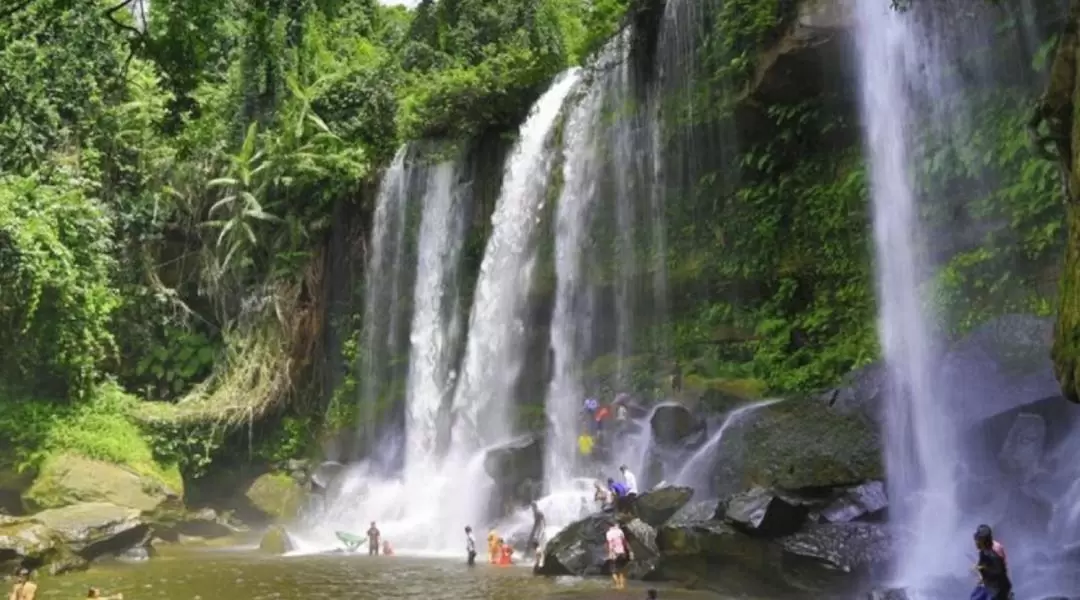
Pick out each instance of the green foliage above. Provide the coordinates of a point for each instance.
(189, 445)
(290, 439)
(56, 296)
(99, 428)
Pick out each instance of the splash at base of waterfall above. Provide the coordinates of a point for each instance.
(423, 513)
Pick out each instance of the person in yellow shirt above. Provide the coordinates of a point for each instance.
(585, 443)
(493, 546)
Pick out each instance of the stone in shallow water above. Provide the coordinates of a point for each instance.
(763, 512)
(857, 502)
(1023, 448)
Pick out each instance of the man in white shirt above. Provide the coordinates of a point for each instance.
(630, 480)
(618, 555)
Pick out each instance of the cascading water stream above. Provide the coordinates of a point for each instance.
(383, 284)
(495, 350)
(402, 507)
(921, 456)
(696, 471)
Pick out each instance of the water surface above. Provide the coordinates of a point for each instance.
(240, 575)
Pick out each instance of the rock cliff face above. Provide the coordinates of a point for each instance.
(1060, 141)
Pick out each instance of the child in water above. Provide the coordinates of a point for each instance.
(387, 549)
(505, 553)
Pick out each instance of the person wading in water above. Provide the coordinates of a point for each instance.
(373, 540)
(24, 589)
(470, 547)
(536, 536)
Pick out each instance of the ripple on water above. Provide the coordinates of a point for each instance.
(210, 575)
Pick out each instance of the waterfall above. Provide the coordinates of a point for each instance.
(495, 350)
(921, 452)
(384, 279)
(403, 507)
(442, 234)
(611, 280)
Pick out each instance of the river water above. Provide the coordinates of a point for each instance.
(188, 574)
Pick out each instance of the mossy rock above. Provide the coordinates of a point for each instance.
(275, 496)
(67, 479)
(275, 541)
(796, 444)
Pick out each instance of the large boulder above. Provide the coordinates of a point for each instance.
(580, 548)
(326, 473)
(657, 506)
(515, 466)
(714, 555)
(204, 523)
(674, 424)
(763, 512)
(797, 444)
(69, 479)
(273, 497)
(1022, 451)
(69, 538)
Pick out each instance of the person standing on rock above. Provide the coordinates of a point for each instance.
(373, 540)
(618, 555)
(631, 482)
(24, 589)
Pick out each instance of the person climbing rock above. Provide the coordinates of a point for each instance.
(604, 496)
(373, 540)
(620, 491)
(631, 482)
(24, 588)
(470, 547)
(993, 572)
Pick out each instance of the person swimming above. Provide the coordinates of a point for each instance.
(506, 553)
(96, 593)
(24, 588)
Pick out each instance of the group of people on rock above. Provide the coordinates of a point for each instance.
(596, 429)
(617, 495)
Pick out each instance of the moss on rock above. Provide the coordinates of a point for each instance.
(275, 496)
(67, 478)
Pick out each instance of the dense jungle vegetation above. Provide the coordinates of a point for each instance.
(167, 181)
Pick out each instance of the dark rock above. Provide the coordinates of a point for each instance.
(581, 547)
(798, 444)
(276, 540)
(642, 538)
(203, 523)
(513, 464)
(858, 502)
(845, 546)
(1001, 365)
(714, 555)
(1023, 448)
(674, 424)
(325, 473)
(862, 392)
(762, 512)
(657, 506)
(697, 510)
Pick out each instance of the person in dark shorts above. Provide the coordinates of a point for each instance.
(470, 546)
(618, 555)
(373, 540)
(993, 572)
